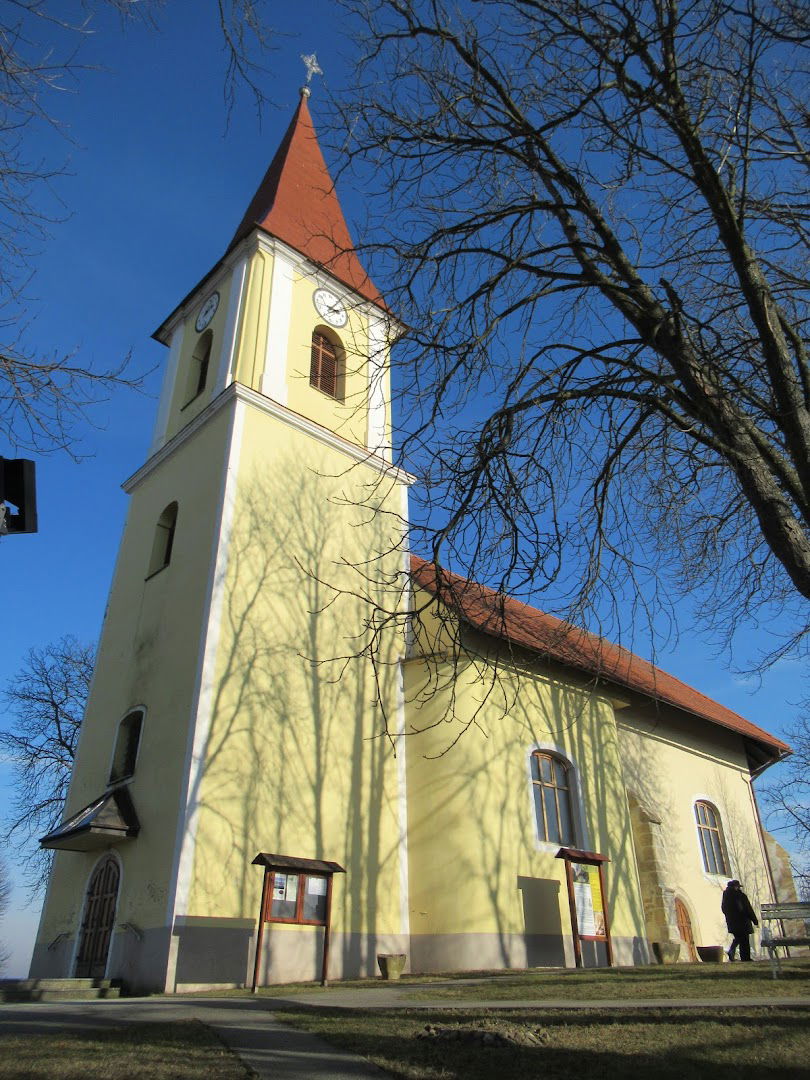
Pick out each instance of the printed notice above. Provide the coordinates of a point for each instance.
(588, 900)
(597, 902)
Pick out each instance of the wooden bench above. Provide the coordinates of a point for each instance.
(793, 909)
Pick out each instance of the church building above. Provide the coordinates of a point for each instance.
(304, 749)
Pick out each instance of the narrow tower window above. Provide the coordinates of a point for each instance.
(325, 370)
(198, 372)
(126, 747)
(164, 539)
(710, 834)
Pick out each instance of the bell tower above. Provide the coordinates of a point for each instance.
(236, 709)
(291, 262)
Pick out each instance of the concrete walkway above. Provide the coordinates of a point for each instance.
(276, 1051)
(273, 1050)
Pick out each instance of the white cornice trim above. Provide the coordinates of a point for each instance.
(176, 441)
(259, 240)
(212, 280)
(237, 391)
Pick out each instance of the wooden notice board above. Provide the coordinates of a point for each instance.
(587, 899)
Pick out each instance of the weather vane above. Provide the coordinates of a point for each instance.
(312, 66)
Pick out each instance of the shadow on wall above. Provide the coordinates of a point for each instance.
(295, 761)
(209, 951)
(506, 703)
(541, 907)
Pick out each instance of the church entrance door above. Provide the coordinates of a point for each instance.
(97, 924)
(685, 928)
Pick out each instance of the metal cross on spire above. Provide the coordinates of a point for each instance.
(312, 66)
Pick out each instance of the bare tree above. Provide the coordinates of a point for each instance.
(788, 802)
(44, 399)
(5, 897)
(44, 705)
(595, 225)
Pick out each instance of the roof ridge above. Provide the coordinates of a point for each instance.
(552, 636)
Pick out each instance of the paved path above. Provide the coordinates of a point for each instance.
(276, 1051)
(273, 1050)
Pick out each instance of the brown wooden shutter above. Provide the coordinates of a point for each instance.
(323, 371)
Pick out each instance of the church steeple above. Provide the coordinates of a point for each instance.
(297, 203)
(289, 312)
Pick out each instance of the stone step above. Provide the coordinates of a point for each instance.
(58, 989)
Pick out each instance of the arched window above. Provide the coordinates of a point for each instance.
(164, 539)
(198, 371)
(126, 747)
(551, 785)
(326, 365)
(710, 834)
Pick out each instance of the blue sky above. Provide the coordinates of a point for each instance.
(155, 185)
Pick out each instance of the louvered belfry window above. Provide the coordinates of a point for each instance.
(323, 370)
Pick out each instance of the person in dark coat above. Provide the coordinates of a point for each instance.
(740, 919)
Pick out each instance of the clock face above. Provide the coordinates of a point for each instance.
(330, 308)
(207, 312)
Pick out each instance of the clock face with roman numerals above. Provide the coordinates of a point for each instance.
(330, 308)
(207, 312)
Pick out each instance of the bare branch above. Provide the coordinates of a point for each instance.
(44, 706)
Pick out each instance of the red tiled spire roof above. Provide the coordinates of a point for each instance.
(296, 202)
(513, 621)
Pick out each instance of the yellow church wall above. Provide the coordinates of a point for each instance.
(148, 656)
(477, 867)
(670, 762)
(296, 762)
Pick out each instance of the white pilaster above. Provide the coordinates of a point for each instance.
(225, 372)
(274, 380)
(169, 379)
(202, 708)
(377, 380)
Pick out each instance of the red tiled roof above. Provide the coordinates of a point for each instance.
(506, 618)
(296, 202)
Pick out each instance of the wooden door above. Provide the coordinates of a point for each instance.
(685, 928)
(97, 925)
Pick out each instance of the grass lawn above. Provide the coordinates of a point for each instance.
(655, 1044)
(185, 1050)
(709, 981)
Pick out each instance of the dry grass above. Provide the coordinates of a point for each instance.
(703, 981)
(185, 1050)
(679, 981)
(654, 1044)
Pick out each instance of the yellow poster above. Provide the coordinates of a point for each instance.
(588, 900)
(596, 901)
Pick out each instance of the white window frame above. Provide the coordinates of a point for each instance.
(721, 817)
(581, 839)
(143, 711)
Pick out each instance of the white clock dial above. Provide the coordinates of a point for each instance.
(207, 312)
(330, 307)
